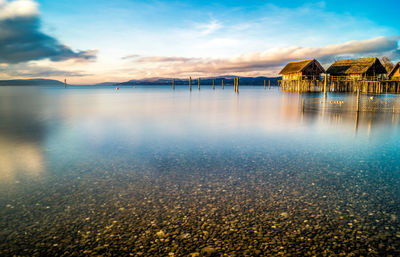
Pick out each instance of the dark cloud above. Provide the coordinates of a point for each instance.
(21, 40)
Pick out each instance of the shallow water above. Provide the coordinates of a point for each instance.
(151, 171)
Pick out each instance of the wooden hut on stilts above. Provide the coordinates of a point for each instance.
(363, 74)
(302, 76)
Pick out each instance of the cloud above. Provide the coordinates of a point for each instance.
(161, 59)
(17, 8)
(21, 39)
(271, 60)
(208, 28)
(29, 70)
(132, 56)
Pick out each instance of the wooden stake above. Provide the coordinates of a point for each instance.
(199, 84)
(265, 84)
(298, 85)
(173, 84)
(358, 100)
(213, 83)
(325, 86)
(236, 84)
(190, 83)
(356, 125)
(269, 84)
(222, 83)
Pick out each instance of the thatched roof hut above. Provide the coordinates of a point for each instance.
(298, 69)
(395, 73)
(357, 67)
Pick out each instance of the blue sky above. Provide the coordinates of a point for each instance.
(93, 41)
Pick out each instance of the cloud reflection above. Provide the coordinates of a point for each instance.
(19, 159)
(21, 134)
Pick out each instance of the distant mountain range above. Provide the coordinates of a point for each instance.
(228, 80)
(31, 82)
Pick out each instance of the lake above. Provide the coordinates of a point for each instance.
(151, 171)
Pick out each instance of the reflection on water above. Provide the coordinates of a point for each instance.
(21, 135)
(152, 171)
(378, 111)
(15, 158)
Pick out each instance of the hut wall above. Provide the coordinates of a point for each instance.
(376, 70)
(355, 76)
(371, 73)
(292, 76)
(312, 71)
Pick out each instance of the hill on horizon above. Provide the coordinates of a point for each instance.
(228, 80)
(31, 82)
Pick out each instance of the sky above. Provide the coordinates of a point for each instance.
(93, 41)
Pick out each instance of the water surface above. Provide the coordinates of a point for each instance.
(151, 171)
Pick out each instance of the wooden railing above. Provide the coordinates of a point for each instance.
(339, 78)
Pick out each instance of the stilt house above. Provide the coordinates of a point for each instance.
(308, 69)
(357, 69)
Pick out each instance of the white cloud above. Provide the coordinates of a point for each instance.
(208, 41)
(17, 8)
(209, 28)
(266, 62)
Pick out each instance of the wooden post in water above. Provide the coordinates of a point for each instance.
(222, 83)
(298, 85)
(356, 125)
(269, 84)
(173, 84)
(265, 84)
(236, 84)
(190, 83)
(213, 83)
(199, 84)
(325, 86)
(358, 100)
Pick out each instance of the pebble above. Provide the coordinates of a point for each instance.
(284, 214)
(160, 234)
(208, 251)
(164, 212)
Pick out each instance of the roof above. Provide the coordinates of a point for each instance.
(298, 66)
(355, 66)
(394, 69)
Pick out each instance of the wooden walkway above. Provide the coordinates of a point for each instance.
(340, 85)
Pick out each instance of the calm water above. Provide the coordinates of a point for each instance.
(151, 171)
